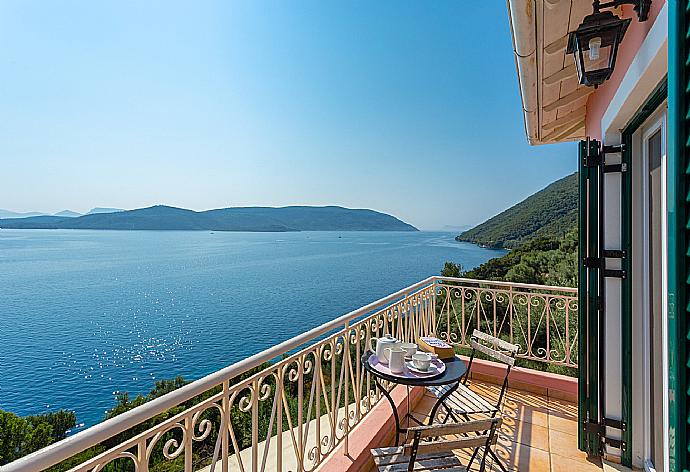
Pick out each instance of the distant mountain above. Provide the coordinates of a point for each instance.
(14, 214)
(549, 213)
(160, 217)
(97, 210)
(67, 213)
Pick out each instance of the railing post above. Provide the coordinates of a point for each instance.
(255, 426)
(478, 308)
(511, 308)
(279, 419)
(142, 456)
(189, 427)
(462, 334)
(448, 303)
(358, 373)
(316, 378)
(529, 323)
(567, 332)
(334, 395)
(404, 318)
(225, 424)
(495, 294)
(346, 356)
(547, 307)
(367, 381)
(301, 453)
(432, 305)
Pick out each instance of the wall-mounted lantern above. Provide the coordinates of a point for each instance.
(594, 44)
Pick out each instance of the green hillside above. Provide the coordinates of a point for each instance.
(162, 217)
(544, 261)
(550, 213)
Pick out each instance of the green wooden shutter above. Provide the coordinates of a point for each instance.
(589, 440)
(678, 202)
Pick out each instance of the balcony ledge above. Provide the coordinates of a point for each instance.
(376, 429)
(528, 380)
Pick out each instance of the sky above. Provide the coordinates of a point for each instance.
(410, 108)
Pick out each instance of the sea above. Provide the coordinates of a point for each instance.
(87, 314)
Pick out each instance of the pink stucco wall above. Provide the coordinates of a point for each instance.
(599, 100)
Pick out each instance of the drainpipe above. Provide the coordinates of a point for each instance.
(523, 27)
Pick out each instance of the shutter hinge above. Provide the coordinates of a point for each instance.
(614, 254)
(613, 149)
(598, 158)
(593, 161)
(617, 443)
(598, 263)
(615, 424)
(615, 168)
(591, 427)
(591, 262)
(600, 428)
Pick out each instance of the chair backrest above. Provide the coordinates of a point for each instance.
(476, 433)
(500, 350)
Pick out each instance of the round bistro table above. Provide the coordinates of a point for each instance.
(455, 370)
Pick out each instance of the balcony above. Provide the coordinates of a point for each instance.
(307, 404)
(539, 431)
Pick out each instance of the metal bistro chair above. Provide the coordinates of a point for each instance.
(464, 401)
(433, 454)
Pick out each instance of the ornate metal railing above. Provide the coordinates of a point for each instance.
(542, 320)
(290, 406)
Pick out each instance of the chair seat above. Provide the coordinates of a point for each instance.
(393, 459)
(465, 401)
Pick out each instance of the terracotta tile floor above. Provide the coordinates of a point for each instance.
(538, 434)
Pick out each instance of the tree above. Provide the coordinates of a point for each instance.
(61, 421)
(451, 269)
(544, 261)
(522, 273)
(21, 436)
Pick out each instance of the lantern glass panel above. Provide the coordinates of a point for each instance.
(595, 57)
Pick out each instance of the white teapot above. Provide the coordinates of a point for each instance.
(383, 344)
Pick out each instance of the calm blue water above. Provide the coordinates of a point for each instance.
(86, 313)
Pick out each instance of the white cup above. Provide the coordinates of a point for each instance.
(396, 359)
(421, 361)
(409, 348)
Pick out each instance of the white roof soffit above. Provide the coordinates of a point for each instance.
(552, 100)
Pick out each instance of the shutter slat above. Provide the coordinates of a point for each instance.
(682, 22)
(685, 129)
(679, 138)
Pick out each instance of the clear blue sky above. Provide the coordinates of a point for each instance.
(410, 108)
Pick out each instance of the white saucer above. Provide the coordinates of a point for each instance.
(433, 370)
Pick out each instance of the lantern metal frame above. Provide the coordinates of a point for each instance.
(610, 29)
(641, 7)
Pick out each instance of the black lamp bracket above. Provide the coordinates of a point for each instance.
(641, 6)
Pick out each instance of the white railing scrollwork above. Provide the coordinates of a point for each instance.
(542, 320)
